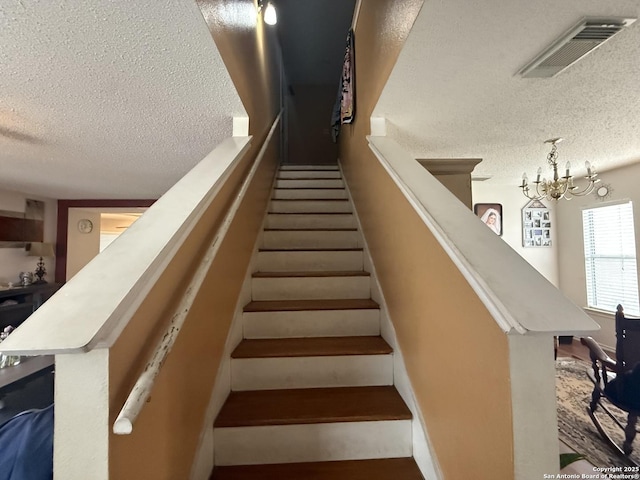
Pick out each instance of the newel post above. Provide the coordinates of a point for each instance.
(81, 428)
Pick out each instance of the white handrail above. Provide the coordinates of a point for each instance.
(143, 386)
(519, 298)
(93, 308)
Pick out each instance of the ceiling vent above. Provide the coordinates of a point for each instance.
(584, 37)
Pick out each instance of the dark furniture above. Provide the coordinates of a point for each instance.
(28, 300)
(617, 381)
(23, 302)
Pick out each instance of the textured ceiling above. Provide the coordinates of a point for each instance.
(454, 91)
(108, 99)
(118, 99)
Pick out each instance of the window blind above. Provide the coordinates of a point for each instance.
(610, 258)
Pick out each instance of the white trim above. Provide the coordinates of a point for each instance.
(535, 431)
(356, 15)
(80, 432)
(378, 126)
(95, 306)
(608, 203)
(240, 126)
(143, 386)
(501, 279)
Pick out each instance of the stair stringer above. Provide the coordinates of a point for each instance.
(422, 450)
(203, 462)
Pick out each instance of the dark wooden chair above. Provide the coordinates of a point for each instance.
(617, 381)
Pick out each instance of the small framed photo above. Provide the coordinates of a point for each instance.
(491, 215)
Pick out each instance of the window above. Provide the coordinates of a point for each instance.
(610, 258)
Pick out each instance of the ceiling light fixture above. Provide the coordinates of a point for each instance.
(559, 187)
(270, 15)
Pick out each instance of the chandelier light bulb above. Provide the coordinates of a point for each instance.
(587, 164)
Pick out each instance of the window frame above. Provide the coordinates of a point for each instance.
(591, 284)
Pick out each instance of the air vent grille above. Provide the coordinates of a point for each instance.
(586, 36)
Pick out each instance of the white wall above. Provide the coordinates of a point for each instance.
(624, 184)
(15, 260)
(543, 259)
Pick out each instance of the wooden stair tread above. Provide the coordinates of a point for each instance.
(310, 199)
(310, 213)
(309, 178)
(309, 188)
(307, 168)
(346, 273)
(377, 469)
(302, 305)
(311, 347)
(327, 229)
(307, 249)
(312, 406)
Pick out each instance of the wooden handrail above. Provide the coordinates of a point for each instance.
(141, 390)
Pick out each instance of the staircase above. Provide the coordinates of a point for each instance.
(312, 381)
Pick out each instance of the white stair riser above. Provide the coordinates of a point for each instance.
(314, 323)
(297, 220)
(309, 174)
(310, 261)
(311, 372)
(298, 239)
(310, 288)
(313, 442)
(310, 193)
(312, 206)
(309, 167)
(311, 183)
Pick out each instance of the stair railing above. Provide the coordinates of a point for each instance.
(141, 390)
(83, 323)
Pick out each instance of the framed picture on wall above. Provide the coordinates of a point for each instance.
(536, 225)
(491, 215)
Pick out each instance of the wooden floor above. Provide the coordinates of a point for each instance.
(574, 350)
(385, 469)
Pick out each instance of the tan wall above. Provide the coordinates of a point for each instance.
(456, 356)
(165, 436)
(309, 125)
(251, 55)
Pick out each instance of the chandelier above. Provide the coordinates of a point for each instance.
(559, 187)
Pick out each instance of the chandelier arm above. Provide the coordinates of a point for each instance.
(558, 187)
(587, 189)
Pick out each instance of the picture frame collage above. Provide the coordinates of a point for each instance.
(536, 225)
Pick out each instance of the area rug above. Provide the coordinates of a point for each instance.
(573, 389)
